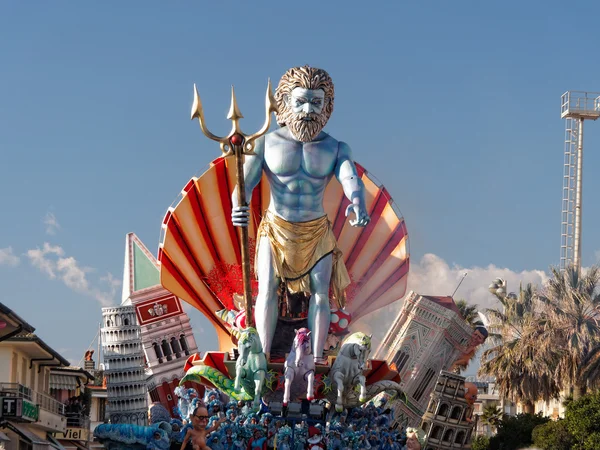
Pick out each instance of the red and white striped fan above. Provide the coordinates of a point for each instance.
(200, 254)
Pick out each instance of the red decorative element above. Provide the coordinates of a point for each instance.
(167, 217)
(340, 320)
(190, 361)
(226, 279)
(236, 139)
(189, 186)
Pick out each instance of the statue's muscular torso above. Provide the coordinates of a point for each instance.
(298, 173)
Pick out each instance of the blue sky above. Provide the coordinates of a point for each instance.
(454, 106)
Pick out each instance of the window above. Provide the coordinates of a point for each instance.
(183, 343)
(448, 436)
(423, 385)
(443, 411)
(437, 432)
(460, 437)
(166, 349)
(456, 413)
(101, 410)
(157, 351)
(400, 360)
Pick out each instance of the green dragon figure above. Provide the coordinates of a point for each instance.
(250, 367)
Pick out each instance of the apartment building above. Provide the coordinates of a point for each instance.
(30, 416)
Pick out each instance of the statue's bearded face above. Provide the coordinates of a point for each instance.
(304, 113)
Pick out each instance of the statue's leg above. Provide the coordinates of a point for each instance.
(362, 380)
(266, 308)
(289, 378)
(319, 312)
(338, 379)
(259, 381)
(310, 391)
(238, 376)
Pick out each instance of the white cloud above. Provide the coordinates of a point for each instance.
(51, 260)
(434, 276)
(38, 259)
(106, 298)
(8, 257)
(52, 225)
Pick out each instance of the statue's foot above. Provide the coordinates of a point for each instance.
(309, 398)
(339, 408)
(362, 398)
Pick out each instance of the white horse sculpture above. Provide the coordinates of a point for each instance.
(300, 363)
(347, 370)
(251, 365)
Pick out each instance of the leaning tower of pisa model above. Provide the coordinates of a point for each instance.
(124, 366)
(447, 421)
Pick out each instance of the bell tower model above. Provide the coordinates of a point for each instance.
(428, 335)
(447, 422)
(166, 333)
(124, 366)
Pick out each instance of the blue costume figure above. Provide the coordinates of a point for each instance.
(284, 437)
(214, 441)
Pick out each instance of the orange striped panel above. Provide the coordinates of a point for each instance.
(199, 235)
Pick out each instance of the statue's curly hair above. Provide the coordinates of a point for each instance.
(308, 78)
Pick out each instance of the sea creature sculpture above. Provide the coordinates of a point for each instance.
(347, 370)
(125, 436)
(251, 366)
(300, 364)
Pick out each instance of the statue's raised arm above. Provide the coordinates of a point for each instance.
(354, 188)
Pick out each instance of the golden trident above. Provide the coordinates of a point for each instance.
(238, 144)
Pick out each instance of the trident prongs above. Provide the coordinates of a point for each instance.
(198, 111)
(235, 115)
(271, 107)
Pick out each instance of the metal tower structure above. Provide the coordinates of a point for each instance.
(576, 107)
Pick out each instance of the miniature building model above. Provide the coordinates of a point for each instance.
(427, 337)
(124, 365)
(166, 333)
(447, 422)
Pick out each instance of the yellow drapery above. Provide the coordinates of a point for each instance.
(297, 247)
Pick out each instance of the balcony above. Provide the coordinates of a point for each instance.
(50, 413)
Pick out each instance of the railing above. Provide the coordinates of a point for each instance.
(78, 420)
(44, 401)
(580, 103)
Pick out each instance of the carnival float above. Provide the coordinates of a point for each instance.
(277, 204)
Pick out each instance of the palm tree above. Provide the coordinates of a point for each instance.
(492, 415)
(573, 306)
(520, 360)
(470, 313)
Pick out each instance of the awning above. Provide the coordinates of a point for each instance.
(58, 381)
(54, 443)
(30, 437)
(69, 444)
(4, 437)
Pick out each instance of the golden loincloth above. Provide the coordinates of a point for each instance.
(298, 247)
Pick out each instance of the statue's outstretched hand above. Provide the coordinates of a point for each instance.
(362, 218)
(240, 216)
